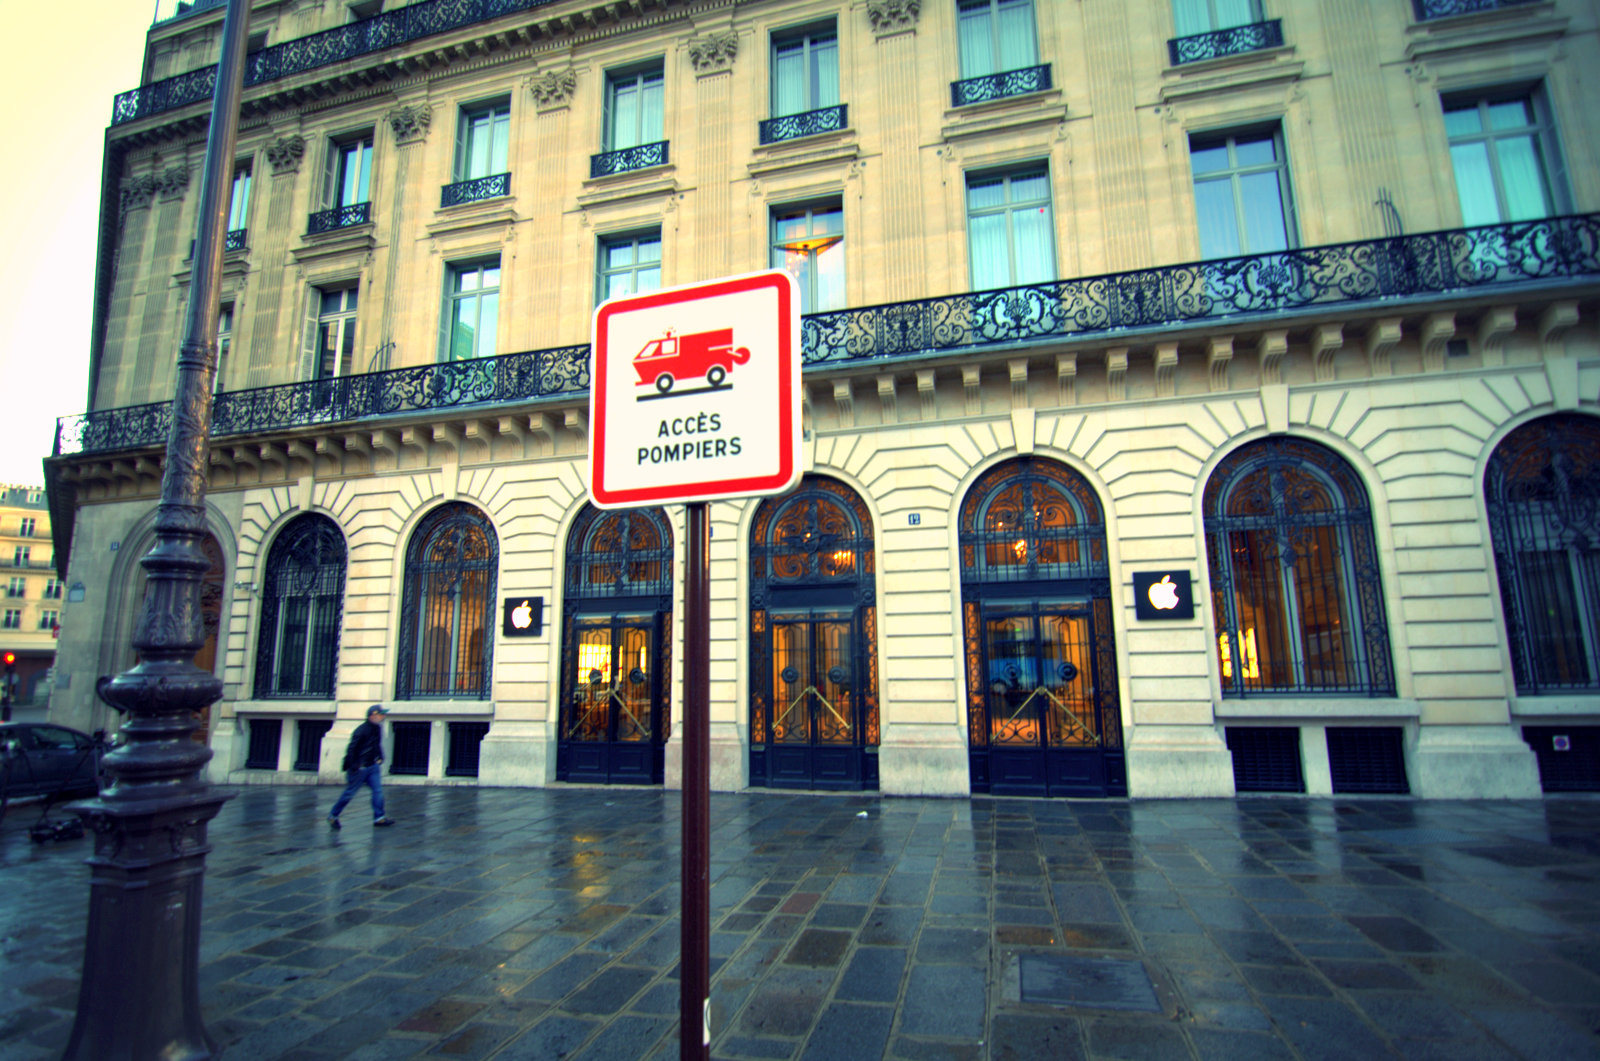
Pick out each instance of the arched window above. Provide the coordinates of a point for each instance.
(1542, 490)
(1032, 519)
(302, 597)
(446, 634)
(1294, 574)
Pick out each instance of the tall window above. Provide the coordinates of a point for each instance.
(634, 100)
(52, 590)
(808, 243)
(1010, 231)
(18, 588)
(20, 557)
(996, 36)
(47, 620)
(224, 343)
(1241, 194)
(471, 312)
(349, 173)
(13, 619)
(25, 528)
(1503, 153)
(446, 640)
(336, 332)
(1294, 574)
(628, 264)
(1542, 490)
(481, 140)
(1203, 16)
(302, 598)
(805, 70)
(239, 204)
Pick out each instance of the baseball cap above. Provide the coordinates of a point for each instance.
(379, 708)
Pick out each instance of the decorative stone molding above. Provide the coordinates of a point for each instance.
(844, 401)
(1067, 378)
(926, 393)
(553, 88)
(1437, 331)
(971, 385)
(887, 398)
(1326, 342)
(1382, 338)
(137, 192)
(172, 182)
(1219, 353)
(1018, 369)
(284, 153)
(1166, 370)
(1554, 324)
(1270, 349)
(892, 16)
(1493, 328)
(410, 123)
(1117, 373)
(714, 52)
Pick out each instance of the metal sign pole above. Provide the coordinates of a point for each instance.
(694, 984)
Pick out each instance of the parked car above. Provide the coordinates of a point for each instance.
(42, 759)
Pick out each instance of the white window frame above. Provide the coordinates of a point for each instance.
(485, 125)
(455, 294)
(239, 198)
(1192, 17)
(638, 271)
(991, 20)
(339, 324)
(1009, 208)
(807, 247)
(815, 43)
(1234, 173)
(1552, 170)
(337, 190)
(647, 126)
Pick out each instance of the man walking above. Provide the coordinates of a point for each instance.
(362, 766)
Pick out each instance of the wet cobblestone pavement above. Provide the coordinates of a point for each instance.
(540, 924)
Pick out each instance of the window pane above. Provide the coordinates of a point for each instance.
(488, 318)
(826, 85)
(1030, 188)
(986, 193)
(788, 78)
(1219, 233)
(649, 279)
(1474, 184)
(462, 331)
(1523, 178)
(1257, 152)
(650, 110)
(1463, 121)
(1263, 213)
(990, 258)
(1235, 13)
(499, 137)
(650, 250)
(1035, 245)
(491, 276)
(977, 41)
(1190, 17)
(625, 115)
(830, 277)
(1208, 159)
(1511, 114)
(1016, 36)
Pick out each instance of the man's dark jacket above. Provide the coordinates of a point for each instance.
(366, 747)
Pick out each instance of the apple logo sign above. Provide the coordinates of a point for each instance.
(1162, 595)
(522, 614)
(523, 617)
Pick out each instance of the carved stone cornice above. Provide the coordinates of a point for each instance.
(553, 88)
(284, 153)
(172, 182)
(137, 192)
(713, 53)
(892, 16)
(410, 124)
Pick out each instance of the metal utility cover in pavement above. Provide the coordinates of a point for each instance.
(1099, 983)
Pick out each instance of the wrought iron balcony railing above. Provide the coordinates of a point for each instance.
(1235, 40)
(392, 28)
(625, 159)
(1370, 272)
(999, 86)
(807, 123)
(470, 191)
(1431, 9)
(339, 217)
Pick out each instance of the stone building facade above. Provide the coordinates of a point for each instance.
(1284, 311)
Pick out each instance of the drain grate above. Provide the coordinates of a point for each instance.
(1098, 983)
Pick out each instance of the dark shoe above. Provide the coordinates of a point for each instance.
(333, 823)
(383, 821)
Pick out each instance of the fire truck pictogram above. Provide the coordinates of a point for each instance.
(673, 357)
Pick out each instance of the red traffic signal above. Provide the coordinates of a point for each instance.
(11, 660)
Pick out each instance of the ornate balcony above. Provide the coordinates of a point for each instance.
(1235, 40)
(1380, 272)
(339, 217)
(608, 163)
(998, 86)
(470, 191)
(1431, 9)
(808, 123)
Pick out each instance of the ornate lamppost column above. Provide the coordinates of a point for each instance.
(139, 999)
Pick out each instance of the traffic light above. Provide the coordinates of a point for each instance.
(11, 662)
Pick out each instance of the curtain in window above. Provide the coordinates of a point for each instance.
(488, 134)
(789, 77)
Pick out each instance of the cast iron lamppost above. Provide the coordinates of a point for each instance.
(139, 999)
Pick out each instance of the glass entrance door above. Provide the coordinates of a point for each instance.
(814, 732)
(1048, 728)
(613, 719)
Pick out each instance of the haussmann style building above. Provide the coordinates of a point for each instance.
(1200, 395)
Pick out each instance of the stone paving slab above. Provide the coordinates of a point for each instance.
(500, 923)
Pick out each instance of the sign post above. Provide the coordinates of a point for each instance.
(695, 396)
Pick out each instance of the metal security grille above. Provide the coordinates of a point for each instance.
(1031, 520)
(308, 743)
(446, 612)
(1295, 582)
(1569, 757)
(1367, 759)
(410, 752)
(1542, 493)
(465, 737)
(265, 733)
(1266, 758)
(620, 554)
(302, 601)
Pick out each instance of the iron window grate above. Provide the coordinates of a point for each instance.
(1266, 758)
(465, 738)
(1367, 759)
(411, 741)
(1573, 767)
(265, 733)
(308, 743)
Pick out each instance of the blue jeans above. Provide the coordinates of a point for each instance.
(366, 775)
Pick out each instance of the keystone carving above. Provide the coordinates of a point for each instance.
(172, 182)
(410, 123)
(554, 88)
(713, 52)
(892, 16)
(284, 153)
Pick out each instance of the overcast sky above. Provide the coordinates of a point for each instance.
(60, 65)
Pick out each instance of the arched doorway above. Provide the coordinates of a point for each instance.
(1043, 711)
(813, 641)
(616, 649)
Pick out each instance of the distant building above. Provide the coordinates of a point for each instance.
(30, 591)
(1280, 313)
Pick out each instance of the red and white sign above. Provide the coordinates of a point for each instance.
(694, 393)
